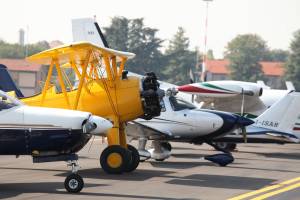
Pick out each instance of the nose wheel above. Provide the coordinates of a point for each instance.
(74, 182)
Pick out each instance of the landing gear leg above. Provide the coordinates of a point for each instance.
(74, 182)
(144, 154)
(115, 158)
(159, 153)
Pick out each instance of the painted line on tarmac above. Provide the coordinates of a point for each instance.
(269, 188)
(270, 194)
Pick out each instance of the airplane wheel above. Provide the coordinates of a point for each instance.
(166, 145)
(226, 146)
(74, 183)
(135, 159)
(114, 159)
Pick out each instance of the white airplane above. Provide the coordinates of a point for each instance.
(47, 134)
(182, 122)
(186, 124)
(246, 98)
(232, 96)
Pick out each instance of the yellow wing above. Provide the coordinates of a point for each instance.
(76, 52)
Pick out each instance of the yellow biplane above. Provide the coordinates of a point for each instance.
(104, 89)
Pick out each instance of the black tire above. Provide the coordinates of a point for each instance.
(74, 183)
(121, 152)
(226, 146)
(159, 160)
(167, 146)
(135, 159)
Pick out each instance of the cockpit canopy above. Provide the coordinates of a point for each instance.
(7, 102)
(180, 104)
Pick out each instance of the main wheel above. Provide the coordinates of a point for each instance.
(166, 145)
(226, 146)
(74, 183)
(135, 159)
(114, 159)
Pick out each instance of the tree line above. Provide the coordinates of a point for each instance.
(174, 61)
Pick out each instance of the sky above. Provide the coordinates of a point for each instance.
(274, 20)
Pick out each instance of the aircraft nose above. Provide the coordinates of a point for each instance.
(102, 125)
(243, 121)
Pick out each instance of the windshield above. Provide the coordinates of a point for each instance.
(180, 104)
(7, 101)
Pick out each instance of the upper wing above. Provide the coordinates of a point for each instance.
(136, 129)
(76, 52)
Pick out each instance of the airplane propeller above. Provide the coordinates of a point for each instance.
(243, 128)
(191, 82)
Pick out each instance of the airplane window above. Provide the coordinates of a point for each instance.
(162, 105)
(7, 102)
(179, 104)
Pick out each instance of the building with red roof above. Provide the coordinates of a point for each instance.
(27, 76)
(218, 70)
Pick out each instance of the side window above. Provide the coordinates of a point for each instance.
(179, 104)
(162, 105)
(5, 104)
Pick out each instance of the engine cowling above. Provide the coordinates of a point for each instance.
(151, 96)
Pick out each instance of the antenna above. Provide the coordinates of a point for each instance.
(27, 41)
(205, 43)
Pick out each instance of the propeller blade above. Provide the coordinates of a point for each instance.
(243, 101)
(244, 133)
(91, 144)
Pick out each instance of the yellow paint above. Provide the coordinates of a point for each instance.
(61, 82)
(264, 196)
(266, 189)
(249, 194)
(114, 160)
(108, 97)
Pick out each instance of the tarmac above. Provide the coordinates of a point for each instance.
(259, 171)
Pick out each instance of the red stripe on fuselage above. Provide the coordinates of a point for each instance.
(190, 88)
(296, 129)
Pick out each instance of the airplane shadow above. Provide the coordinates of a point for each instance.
(137, 175)
(264, 169)
(179, 165)
(188, 155)
(11, 190)
(287, 155)
(222, 181)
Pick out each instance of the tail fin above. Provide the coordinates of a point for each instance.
(289, 85)
(283, 116)
(87, 29)
(6, 82)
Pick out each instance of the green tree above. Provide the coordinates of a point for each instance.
(276, 55)
(210, 55)
(244, 53)
(117, 33)
(8, 50)
(180, 59)
(293, 63)
(132, 35)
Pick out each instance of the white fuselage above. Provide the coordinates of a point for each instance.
(14, 114)
(185, 123)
